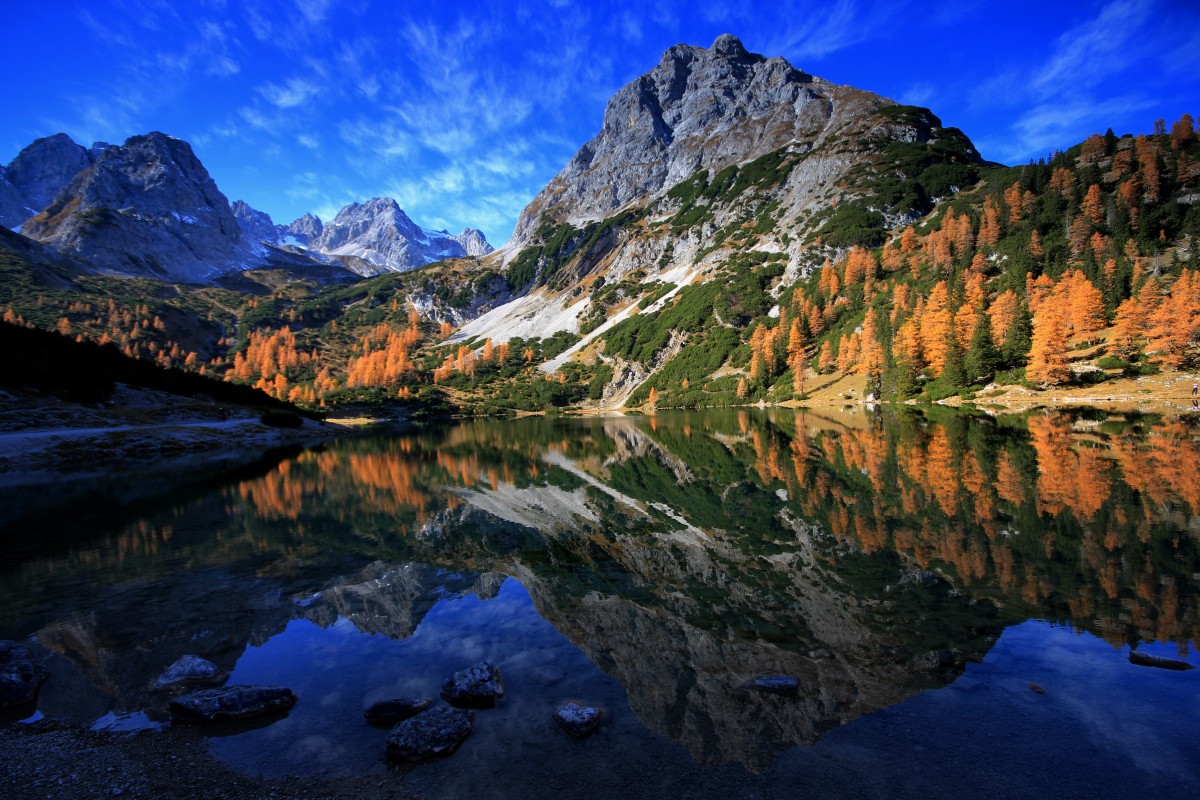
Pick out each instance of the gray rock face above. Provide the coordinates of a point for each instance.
(434, 733)
(255, 225)
(44, 168)
(303, 230)
(475, 687)
(147, 207)
(473, 241)
(579, 721)
(13, 210)
(389, 712)
(190, 670)
(379, 233)
(231, 702)
(20, 675)
(697, 109)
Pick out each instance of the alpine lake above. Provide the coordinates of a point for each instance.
(956, 597)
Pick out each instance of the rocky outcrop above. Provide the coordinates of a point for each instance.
(383, 237)
(148, 207)
(255, 225)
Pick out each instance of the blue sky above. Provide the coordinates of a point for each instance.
(463, 110)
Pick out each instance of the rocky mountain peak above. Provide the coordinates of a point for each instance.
(37, 174)
(255, 225)
(697, 109)
(474, 242)
(730, 46)
(147, 207)
(379, 233)
(303, 230)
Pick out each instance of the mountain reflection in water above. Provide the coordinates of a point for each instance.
(869, 556)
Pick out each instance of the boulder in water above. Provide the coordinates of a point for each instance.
(475, 687)
(231, 702)
(434, 733)
(20, 675)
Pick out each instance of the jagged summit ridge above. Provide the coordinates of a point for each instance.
(384, 237)
(147, 207)
(698, 108)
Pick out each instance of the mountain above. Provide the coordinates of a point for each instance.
(698, 109)
(714, 153)
(147, 207)
(383, 238)
(254, 224)
(301, 231)
(473, 242)
(38, 173)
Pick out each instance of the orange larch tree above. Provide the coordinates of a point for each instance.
(1048, 354)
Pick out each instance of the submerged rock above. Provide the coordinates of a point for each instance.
(231, 702)
(389, 712)
(784, 685)
(579, 721)
(190, 671)
(475, 687)
(20, 675)
(434, 733)
(1147, 660)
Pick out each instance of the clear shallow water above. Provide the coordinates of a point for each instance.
(653, 567)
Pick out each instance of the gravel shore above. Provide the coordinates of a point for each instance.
(46, 760)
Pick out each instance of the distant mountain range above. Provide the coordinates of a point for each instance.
(149, 208)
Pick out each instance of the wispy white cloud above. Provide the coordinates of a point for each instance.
(822, 30)
(291, 93)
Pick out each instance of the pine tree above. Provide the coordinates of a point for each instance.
(954, 373)
(1018, 338)
(983, 357)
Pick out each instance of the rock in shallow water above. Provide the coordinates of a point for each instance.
(579, 721)
(190, 671)
(389, 712)
(1147, 660)
(231, 702)
(20, 675)
(474, 687)
(434, 733)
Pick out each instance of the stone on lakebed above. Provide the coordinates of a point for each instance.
(474, 687)
(190, 670)
(231, 702)
(579, 721)
(434, 733)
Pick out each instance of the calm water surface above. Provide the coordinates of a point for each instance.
(915, 573)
